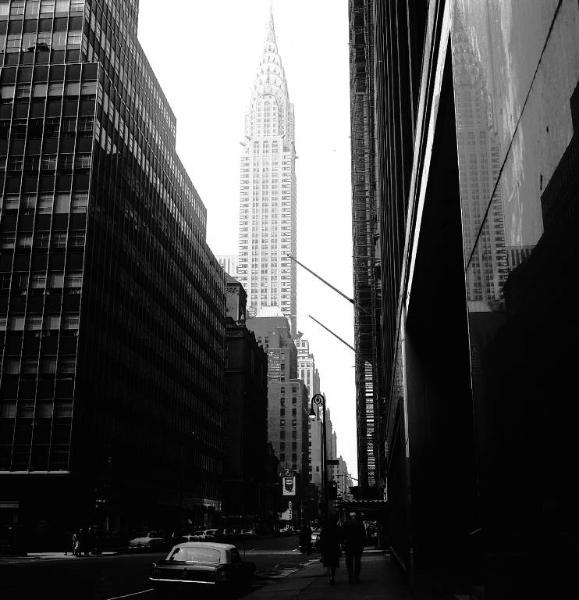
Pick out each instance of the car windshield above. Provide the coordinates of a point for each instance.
(201, 555)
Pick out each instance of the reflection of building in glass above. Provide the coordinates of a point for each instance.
(479, 164)
(480, 436)
(267, 217)
(517, 254)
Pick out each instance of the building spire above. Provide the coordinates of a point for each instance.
(270, 39)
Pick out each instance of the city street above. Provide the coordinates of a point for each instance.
(124, 575)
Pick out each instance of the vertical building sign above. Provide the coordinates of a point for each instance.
(289, 485)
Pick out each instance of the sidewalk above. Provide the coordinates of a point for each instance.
(17, 558)
(379, 579)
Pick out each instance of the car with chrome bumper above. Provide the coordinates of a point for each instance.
(211, 567)
(152, 541)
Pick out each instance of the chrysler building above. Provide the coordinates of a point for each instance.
(267, 215)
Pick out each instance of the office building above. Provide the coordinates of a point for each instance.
(274, 334)
(307, 370)
(267, 214)
(288, 425)
(288, 406)
(464, 137)
(111, 303)
(366, 255)
(228, 262)
(245, 417)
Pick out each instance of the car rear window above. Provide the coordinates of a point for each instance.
(204, 555)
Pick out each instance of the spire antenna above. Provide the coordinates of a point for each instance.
(271, 26)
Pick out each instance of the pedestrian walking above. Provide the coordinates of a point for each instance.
(75, 543)
(330, 537)
(353, 538)
(306, 538)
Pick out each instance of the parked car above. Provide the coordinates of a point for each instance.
(200, 565)
(227, 534)
(152, 541)
(248, 534)
(209, 535)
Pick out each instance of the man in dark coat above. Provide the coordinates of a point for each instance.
(353, 538)
(330, 537)
(306, 538)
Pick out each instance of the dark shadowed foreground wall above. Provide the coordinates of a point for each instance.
(474, 113)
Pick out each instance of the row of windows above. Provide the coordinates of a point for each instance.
(38, 281)
(30, 42)
(34, 8)
(44, 203)
(294, 458)
(41, 90)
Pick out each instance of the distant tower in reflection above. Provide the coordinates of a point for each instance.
(479, 164)
(267, 215)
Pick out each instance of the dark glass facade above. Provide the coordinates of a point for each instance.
(111, 304)
(366, 246)
(475, 117)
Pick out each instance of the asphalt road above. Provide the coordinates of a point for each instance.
(126, 576)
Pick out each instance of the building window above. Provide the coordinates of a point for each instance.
(47, 7)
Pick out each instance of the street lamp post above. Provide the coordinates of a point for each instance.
(319, 401)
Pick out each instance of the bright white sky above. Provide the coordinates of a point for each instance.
(205, 54)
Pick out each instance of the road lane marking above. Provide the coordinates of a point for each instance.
(133, 594)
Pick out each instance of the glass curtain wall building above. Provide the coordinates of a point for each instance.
(111, 304)
(267, 213)
(366, 247)
(475, 107)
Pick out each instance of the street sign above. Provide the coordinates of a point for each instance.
(289, 486)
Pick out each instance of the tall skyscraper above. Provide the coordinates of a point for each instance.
(267, 216)
(111, 303)
(228, 262)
